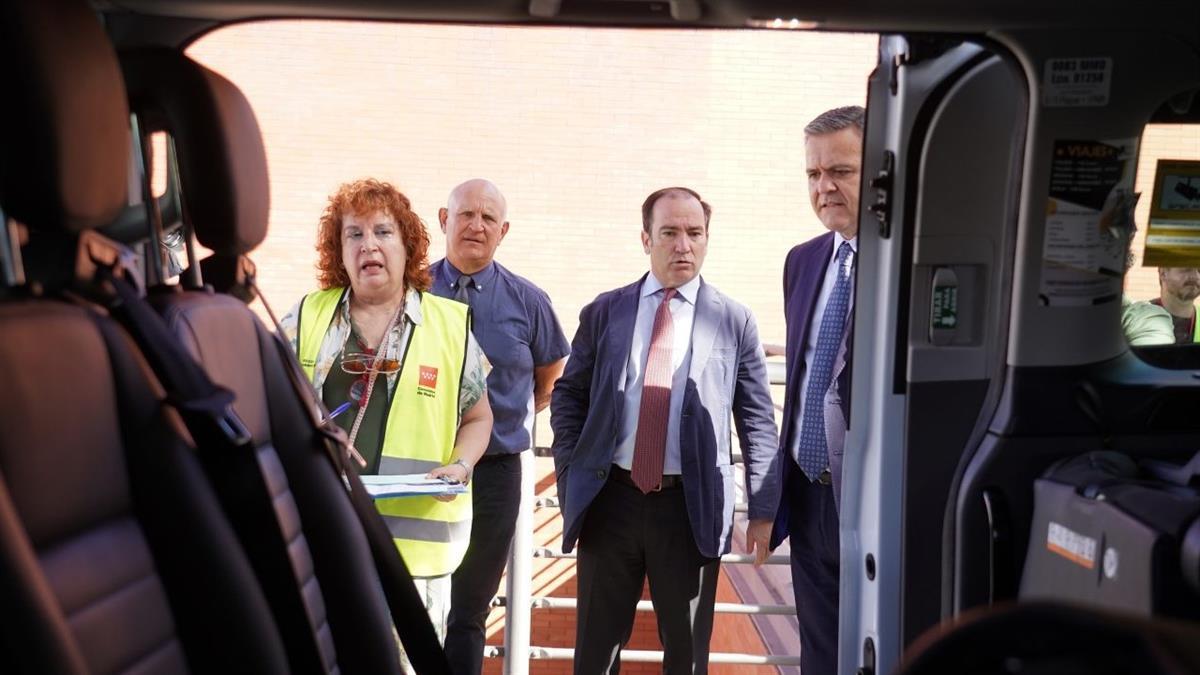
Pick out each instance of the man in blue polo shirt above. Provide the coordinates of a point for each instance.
(521, 337)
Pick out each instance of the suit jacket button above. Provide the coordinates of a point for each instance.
(600, 473)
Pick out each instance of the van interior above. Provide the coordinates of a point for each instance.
(1021, 483)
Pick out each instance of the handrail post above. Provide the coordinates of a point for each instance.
(520, 574)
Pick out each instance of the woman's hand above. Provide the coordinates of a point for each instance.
(474, 432)
(453, 472)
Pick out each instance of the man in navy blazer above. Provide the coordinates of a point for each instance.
(642, 454)
(818, 291)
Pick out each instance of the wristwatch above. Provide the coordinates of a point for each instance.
(466, 466)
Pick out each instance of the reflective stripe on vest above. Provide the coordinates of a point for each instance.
(422, 423)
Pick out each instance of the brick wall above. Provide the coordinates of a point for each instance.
(575, 126)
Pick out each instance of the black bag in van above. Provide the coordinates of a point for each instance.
(1117, 533)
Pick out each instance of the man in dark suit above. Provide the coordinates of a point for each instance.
(642, 444)
(818, 292)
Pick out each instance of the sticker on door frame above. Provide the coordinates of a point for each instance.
(1089, 221)
(1077, 82)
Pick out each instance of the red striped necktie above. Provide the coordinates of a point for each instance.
(650, 446)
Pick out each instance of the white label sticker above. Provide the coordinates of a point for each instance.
(1079, 549)
(1076, 82)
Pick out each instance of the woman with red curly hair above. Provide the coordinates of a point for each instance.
(399, 369)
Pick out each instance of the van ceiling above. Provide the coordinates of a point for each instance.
(969, 16)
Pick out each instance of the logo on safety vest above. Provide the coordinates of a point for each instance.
(427, 384)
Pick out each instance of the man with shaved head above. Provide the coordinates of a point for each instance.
(522, 339)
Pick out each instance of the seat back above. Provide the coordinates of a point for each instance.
(223, 172)
(114, 554)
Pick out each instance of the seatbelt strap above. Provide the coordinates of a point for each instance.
(206, 408)
(421, 644)
(207, 411)
(228, 455)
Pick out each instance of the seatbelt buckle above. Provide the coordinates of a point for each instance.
(216, 414)
(232, 426)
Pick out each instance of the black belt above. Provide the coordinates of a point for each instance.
(669, 481)
(498, 457)
(825, 478)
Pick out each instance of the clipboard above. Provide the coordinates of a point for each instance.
(410, 485)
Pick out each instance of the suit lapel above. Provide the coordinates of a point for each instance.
(805, 290)
(621, 321)
(704, 328)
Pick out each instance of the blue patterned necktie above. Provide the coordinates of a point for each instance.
(812, 452)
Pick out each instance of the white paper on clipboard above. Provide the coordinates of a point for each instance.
(409, 485)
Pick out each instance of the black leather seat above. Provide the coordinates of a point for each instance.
(223, 178)
(114, 553)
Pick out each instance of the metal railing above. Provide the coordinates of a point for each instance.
(646, 656)
(520, 577)
(727, 559)
(549, 602)
(518, 599)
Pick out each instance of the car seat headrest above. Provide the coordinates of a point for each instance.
(219, 149)
(64, 165)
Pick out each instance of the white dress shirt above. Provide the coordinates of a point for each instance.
(683, 314)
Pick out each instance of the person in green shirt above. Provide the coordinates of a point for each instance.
(1178, 289)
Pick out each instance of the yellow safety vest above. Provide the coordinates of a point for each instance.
(422, 423)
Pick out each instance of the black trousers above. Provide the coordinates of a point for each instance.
(816, 554)
(626, 538)
(496, 499)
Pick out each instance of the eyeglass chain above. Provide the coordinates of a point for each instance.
(362, 408)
